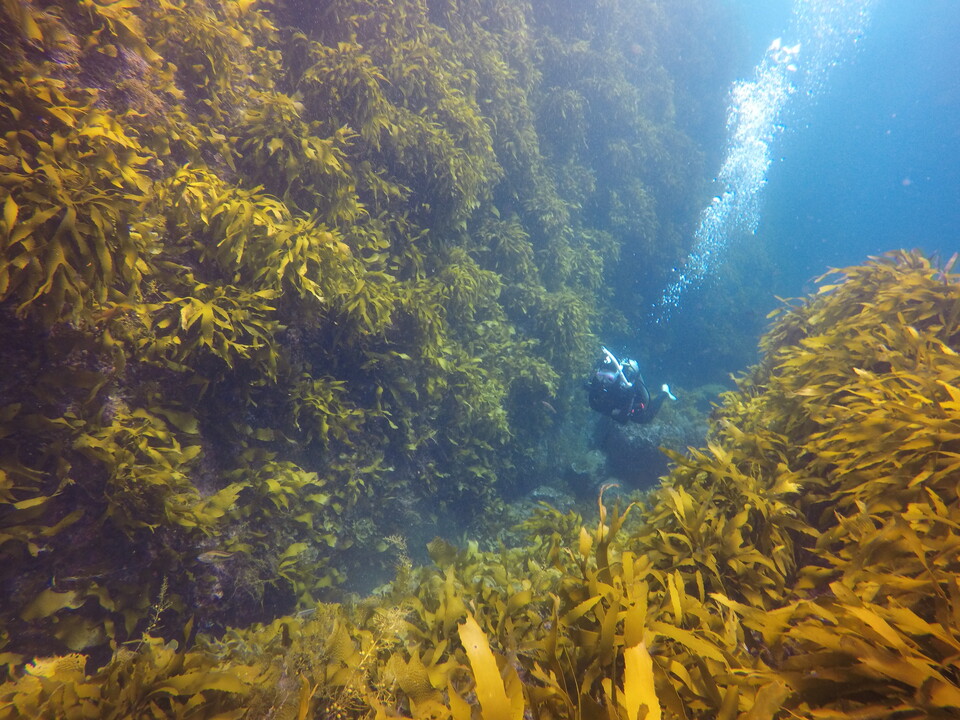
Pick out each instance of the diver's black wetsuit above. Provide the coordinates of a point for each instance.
(624, 397)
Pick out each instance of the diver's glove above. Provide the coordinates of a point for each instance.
(666, 389)
(611, 358)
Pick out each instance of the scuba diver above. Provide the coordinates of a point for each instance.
(617, 389)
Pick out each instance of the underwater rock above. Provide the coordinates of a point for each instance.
(585, 474)
(633, 454)
(554, 496)
(516, 514)
(589, 466)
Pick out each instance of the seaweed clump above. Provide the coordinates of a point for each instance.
(277, 280)
(804, 564)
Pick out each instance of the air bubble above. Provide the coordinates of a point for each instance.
(821, 32)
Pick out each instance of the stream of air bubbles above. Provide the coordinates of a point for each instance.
(794, 68)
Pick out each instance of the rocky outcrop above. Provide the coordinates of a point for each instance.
(633, 454)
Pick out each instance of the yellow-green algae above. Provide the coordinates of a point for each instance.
(274, 272)
(254, 255)
(804, 564)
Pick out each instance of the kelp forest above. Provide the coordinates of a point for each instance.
(297, 296)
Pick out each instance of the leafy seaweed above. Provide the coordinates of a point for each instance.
(274, 276)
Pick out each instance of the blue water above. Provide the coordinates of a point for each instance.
(874, 164)
(848, 149)
(791, 74)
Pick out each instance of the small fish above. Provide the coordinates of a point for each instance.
(212, 557)
(548, 406)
